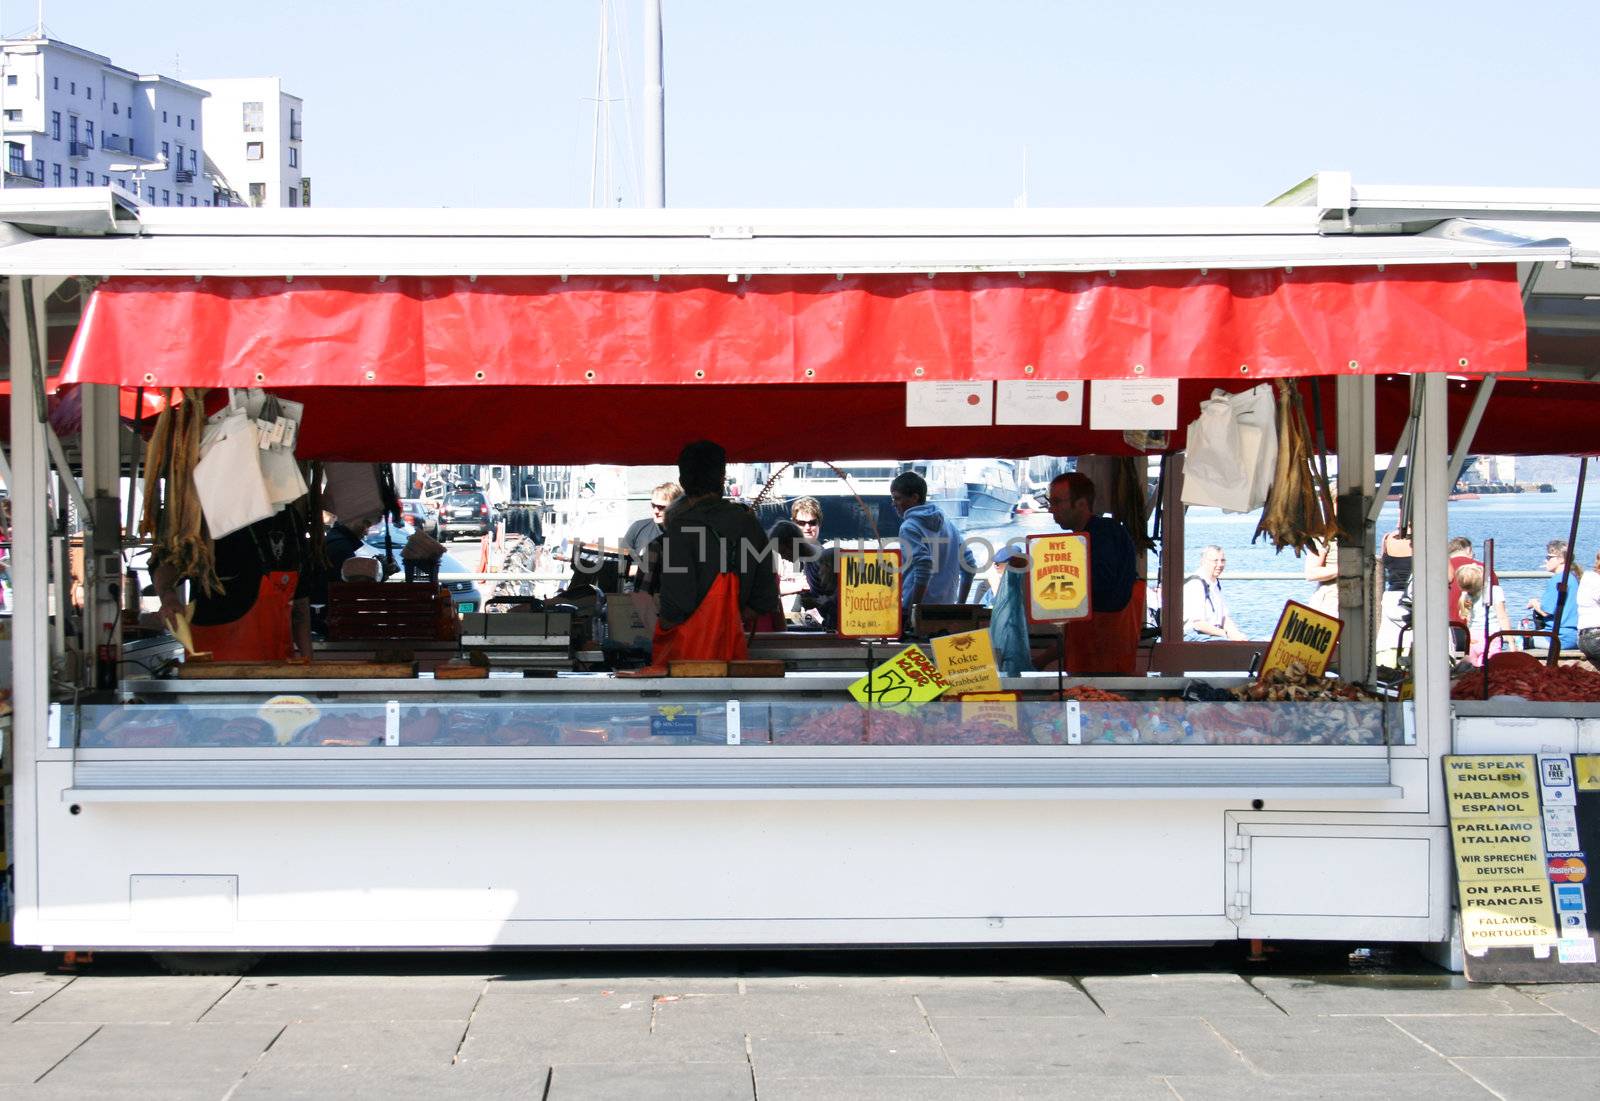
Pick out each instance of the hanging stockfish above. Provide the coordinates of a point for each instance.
(174, 522)
(1299, 511)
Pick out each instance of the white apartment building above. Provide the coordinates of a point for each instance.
(74, 119)
(252, 131)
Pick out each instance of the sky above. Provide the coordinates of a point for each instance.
(895, 103)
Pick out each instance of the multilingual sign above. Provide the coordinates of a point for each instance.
(1058, 577)
(1498, 833)
(869, 594)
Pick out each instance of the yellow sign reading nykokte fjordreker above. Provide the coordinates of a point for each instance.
(1058, 577)
(869, 594)
(1304, 635)
(1498, 832)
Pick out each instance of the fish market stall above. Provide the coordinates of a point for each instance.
(587, 808)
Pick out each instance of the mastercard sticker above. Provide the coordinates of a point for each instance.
(1567, 869)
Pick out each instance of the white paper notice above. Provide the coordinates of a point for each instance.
(1024, 401)
(1575, 950)
(1149, 404)
(939, 404)
(1560, 829)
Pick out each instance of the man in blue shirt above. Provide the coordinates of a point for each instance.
(1544, 608)
(1108, 640)
(937, 564)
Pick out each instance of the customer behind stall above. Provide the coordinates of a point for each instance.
(819, 602)
(1544, 607)
(643, 533)
(1483, 609)
(1008, 622)
(705, 538)
(1206, 615)
(1322, 570)
(1589, 614)
(1396, 560)
(1460, 548)
(937, 564)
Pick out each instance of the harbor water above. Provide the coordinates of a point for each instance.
(1519, 523)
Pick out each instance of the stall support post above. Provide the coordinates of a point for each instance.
(1170, 564)
(1354, 444)
(1430, 664)
(30, 620)
(102, 473)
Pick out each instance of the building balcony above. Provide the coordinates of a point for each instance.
(116, 143)
(78, 149)
(183, 175)
(294, 131)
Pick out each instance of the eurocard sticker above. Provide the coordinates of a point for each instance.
(1567, 868)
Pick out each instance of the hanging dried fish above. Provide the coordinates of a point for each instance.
(174, 521)
(1299, 511)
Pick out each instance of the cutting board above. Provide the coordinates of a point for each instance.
(296, 670)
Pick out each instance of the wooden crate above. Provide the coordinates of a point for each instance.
(366, 610)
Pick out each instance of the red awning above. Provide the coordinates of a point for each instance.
(807, 330)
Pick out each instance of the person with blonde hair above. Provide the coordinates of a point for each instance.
(1483, 609)
(1589, 614)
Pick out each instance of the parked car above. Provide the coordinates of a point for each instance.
(428, 509)
(464, 512)
(466, 595)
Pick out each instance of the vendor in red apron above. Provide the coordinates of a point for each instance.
(1108, 640)
(716, 572)
(261, 612)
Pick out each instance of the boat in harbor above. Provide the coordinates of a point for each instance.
(992, 489)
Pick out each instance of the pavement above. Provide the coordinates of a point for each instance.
(966, 1025)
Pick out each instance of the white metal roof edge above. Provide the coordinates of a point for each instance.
(722, 223)
(651, 256)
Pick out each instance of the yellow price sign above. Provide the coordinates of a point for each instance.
(908, 677)
(1058, 577)
(869, 594)
(1587, 766)
(967, 661)
(1305, 635)
(999, 708)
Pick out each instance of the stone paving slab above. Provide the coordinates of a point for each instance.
(1524, 1079)
(965, 1088)
(398, 1045)
(701, 1081)
(179, 1059)
(20, 991)
(349, 998)
(321, 1083)
(28, 1050)
(1327, 1046)
(1392, 995)
(128, 999)
(1453, 1086)
(1028, 1047)
(583, 1032)
(1022, 997)
(1529, 1036)
(1178, 996)
(848, 1052)
(1581, 1003)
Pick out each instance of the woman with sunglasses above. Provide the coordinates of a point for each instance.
(636, 541)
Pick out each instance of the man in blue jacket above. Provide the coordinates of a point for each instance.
(937, 564)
